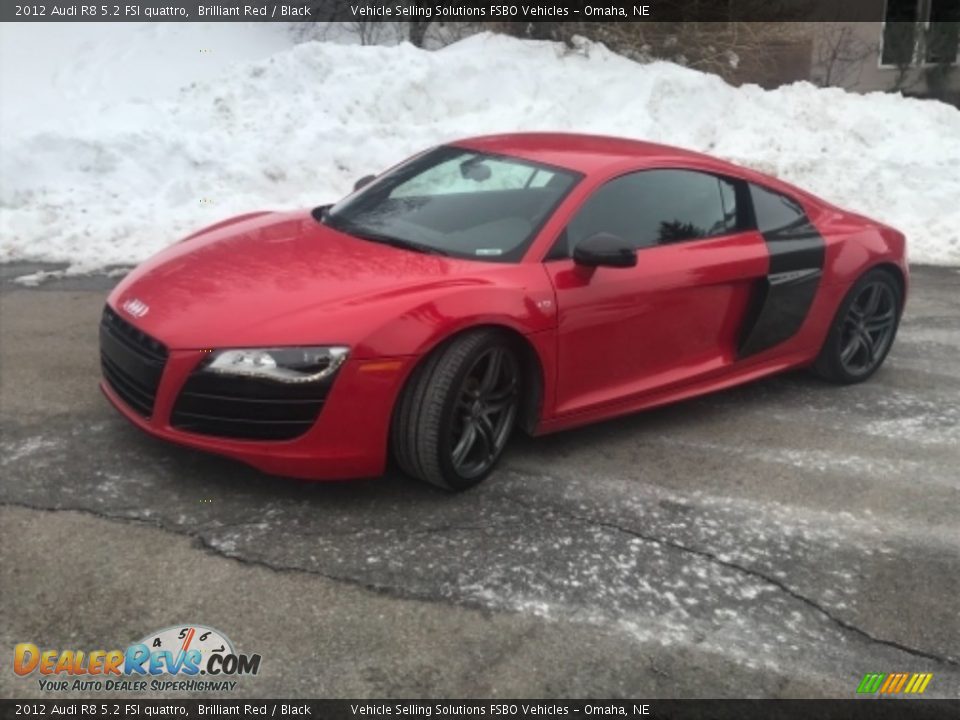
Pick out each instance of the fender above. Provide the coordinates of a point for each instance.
(226, 223)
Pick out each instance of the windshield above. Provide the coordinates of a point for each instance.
(456, 202)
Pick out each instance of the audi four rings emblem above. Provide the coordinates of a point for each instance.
(135, 307)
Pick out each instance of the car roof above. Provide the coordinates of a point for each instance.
(590, 154)
(583, 153)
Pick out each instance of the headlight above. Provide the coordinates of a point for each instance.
(285, 365)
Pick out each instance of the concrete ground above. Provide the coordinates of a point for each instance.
(776, 540)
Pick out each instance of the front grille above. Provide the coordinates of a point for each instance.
(247, 408)
(132, 362)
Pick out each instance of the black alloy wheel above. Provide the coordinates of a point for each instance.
(868, 328)
(485, 412)
(458, 410)
(863, 329)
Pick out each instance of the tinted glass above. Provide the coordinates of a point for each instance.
(898, 32)
(456, 202)
(775, 212)
(943, 32)
(656, 207)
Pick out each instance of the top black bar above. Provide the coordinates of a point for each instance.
(443, 10)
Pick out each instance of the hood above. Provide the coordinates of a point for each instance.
(278, 279)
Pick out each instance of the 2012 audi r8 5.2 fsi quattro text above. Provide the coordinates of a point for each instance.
(536, 280)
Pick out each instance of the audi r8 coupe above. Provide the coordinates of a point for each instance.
(540, 281)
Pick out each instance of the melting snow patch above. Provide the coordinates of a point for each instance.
(920, 429)
(13, 451)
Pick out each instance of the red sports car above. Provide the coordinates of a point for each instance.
(536, 280)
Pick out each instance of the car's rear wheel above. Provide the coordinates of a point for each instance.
(863, 329)
(458, 410)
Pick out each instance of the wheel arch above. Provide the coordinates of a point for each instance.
(898, 275)
(532, 368)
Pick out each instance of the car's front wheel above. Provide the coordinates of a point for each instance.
(863, 329)
(458, 410)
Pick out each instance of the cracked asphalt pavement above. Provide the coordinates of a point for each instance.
(775, 540)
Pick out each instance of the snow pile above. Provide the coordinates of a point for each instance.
(52, 72)
(114, 181)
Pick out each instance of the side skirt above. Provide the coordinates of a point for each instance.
(665, 396)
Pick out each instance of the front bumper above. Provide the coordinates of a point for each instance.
(348, 440)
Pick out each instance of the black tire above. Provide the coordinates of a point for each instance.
(863, 329)
(445, 396)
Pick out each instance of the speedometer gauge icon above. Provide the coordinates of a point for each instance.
(179, 639)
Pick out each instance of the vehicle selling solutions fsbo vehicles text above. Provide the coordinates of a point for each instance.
(402, 11)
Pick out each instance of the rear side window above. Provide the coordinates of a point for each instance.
(657, 207)
(776, 213)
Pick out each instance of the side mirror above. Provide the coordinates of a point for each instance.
(363, 182)
(604, 250)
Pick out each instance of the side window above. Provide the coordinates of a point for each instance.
(728, 197)
(776, 213)
(657, 207)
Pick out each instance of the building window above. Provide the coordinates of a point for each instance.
(899, 32)
(920, 31)
(943, 32)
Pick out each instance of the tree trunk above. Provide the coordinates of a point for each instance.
(417, 31)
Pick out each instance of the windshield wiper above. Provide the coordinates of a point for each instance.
(320, 213)
(402, 243)
(390, 240)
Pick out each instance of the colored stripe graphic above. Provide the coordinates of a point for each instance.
(897, 685)
(871, 683)
(890, 682)
(894, 683)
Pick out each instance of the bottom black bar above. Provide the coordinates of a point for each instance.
(865, 709)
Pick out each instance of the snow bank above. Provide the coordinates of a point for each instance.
(53, 72)
(115, 181)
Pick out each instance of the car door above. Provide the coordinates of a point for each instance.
(674, 317)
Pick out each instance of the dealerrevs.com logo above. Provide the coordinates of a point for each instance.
(182, 657)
